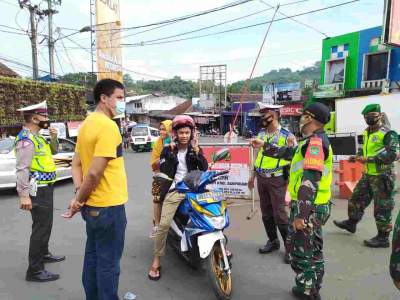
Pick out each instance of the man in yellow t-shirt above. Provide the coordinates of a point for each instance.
(101, 191)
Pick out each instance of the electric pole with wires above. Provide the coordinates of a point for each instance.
(35, 16)
(49, 12)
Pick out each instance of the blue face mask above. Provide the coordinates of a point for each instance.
(120, 107)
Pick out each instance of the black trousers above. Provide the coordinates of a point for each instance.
(42, 223)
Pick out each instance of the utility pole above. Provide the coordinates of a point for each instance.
(49, 13)
(35, 15)
(33, 38)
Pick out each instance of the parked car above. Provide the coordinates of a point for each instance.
(143, 137)
(8, 161)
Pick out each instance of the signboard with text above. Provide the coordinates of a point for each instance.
(108, 38)
(391, 25)
(234, 184)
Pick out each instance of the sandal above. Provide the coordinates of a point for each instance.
(154, 270)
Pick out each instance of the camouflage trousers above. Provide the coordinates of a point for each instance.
(379, 188)
(306, 248)
(395, 257)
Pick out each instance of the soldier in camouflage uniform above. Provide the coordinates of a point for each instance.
(310, 191)
(395, 257)
(378, 155)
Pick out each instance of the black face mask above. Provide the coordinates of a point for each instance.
(267, 122)
(372, 120)
(44, 124)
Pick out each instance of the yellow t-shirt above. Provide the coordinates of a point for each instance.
(99, 137)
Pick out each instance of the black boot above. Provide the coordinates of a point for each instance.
(379, 241)
(283, 229)
(300, 295)
(348, 225)
(270, 247)
(273, 242)
(41, 276)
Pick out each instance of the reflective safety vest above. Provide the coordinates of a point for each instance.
(296, 174)
(373, 145)
(269, 164)
(42, 167)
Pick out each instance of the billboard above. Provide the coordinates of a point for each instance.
(108, 39)
(391, 23)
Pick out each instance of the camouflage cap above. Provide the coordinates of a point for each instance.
(371, 108)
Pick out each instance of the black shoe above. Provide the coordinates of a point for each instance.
(50, 258)
(348, 225)
(41, 276)
(270, 247)
(379, 241)
(286, 259)
(300, 295)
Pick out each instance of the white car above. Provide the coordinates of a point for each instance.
(8, 161)
(143, 137)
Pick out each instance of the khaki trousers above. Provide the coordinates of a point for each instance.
(170, 205)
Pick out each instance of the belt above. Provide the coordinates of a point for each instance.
(269, 174)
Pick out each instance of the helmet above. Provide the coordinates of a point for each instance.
(183, 121)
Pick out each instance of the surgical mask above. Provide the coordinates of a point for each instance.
(304, 120)
(372, 120)
(120, 107)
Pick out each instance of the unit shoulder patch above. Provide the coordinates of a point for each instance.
(314, 157)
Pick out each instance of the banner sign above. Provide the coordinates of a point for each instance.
(234, 184)
(108, 39)
(73, 128)
(391, 26)
(292, 110)
(284, 87)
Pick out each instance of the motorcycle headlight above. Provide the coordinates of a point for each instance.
(218, 222)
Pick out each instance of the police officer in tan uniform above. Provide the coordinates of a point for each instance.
(36, 174)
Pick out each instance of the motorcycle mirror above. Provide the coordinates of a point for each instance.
(223, 154)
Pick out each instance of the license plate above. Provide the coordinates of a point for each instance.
(139, 140)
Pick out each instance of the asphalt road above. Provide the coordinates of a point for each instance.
(352, 271)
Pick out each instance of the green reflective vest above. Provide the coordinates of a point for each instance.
(373, 144)
(296, 174)
(42, 167)
(270, 164)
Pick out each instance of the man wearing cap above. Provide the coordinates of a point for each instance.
(379, 152)
(36, 174)
(310, 191)
(272, 175)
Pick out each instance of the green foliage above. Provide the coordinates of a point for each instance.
(81, 79)
(278, 76)
(65, 102)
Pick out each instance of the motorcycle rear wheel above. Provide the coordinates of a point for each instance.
(221, 281)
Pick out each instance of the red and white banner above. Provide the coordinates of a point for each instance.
(73, 128)
(234, 184)
(294, 109)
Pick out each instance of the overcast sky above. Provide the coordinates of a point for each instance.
(289, 44)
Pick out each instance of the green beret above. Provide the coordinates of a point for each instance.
(371, 108)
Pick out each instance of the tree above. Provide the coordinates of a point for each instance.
(82, 79)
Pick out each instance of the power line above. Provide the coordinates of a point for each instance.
(178, 19)
(59, 62)
(244, 27)
(124, 68)
(215, 25)
(9, 3)
(297, 21)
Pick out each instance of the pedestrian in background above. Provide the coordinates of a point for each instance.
(99, 176)
(379, 151)
(158, 198)
(310, 192)
(272, 176)
(395, 256)
(36, 174)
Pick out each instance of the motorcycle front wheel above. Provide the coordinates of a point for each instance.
(221, 281)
